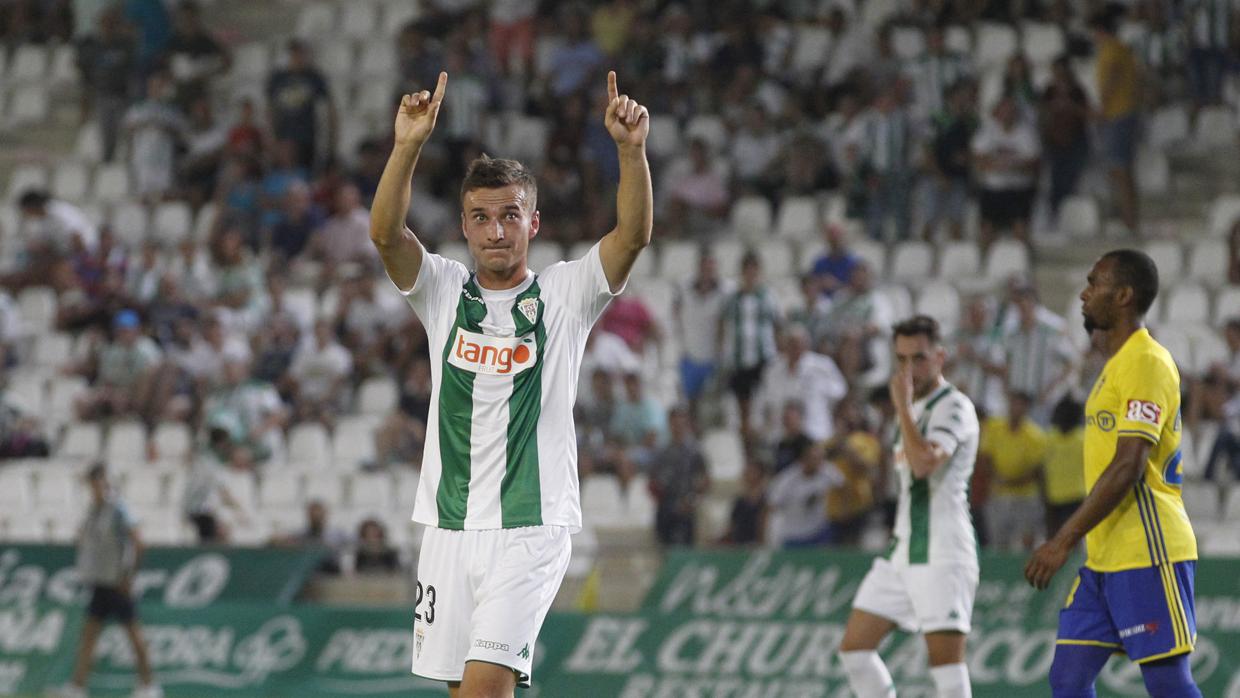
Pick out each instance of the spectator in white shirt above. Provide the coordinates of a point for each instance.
(797, 500)
(319, 375)
(52, 227)
(697, 307)
(804, 375)
(1006, 157)
(155, 127)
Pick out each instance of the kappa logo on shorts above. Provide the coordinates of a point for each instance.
(1150, 628)
(502, 356)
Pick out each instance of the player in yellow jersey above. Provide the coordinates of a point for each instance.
(1135, 593)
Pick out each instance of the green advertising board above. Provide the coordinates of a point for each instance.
(715, 625)
(179, 577)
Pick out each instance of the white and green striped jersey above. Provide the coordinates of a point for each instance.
(501, 451)
(933, 525)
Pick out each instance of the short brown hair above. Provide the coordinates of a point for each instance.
(922, 325)
(486, 172)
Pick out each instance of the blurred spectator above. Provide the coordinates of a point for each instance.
(122, 369)
(698, 189)
(12, 330)
(1118, 84)
(678, 479)
(512, 35)
(301, 219)
(859, 321)
(857, 454)
(21, 435)
(797, 500)
(1065, 131)
(746, 335)
(419, 56)
(833, 268)
(400, 437)
(108, 64)
(934, 73)
(51, 227)
(576, 59)
(755, 149)
(205, 491)
(153, 23)
(697, 307)
(1211, 31)
(373, 554)
(1013, 451)
(1064, 474)
(247, 137)
(1005, 157)
(594, 411)
(319, 532)
(254, 406)
(610, 25)
(192, 55)
(363, 316)
(637, 417)
(319, 376)
(792, 436)
(851, 47)
(628, 318)
(238, 195)
(946, 189)
(466, 109)
(1038, 355)
(975, 364)
(608, 354)
(284, 172)
(204, 146)
(239, 288)
(886, 158)
(1018, 84)
(345, 236)
(368, 169)
(812, 313)
(747, 520)
(805, 375)
(156, 129)
(295, 95)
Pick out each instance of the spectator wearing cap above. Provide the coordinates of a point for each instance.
(295, 96)
(678, 480)
(122, 369)
(109, 553)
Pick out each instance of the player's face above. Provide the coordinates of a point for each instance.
(921, 356)
(1098, 298)
(498, 225)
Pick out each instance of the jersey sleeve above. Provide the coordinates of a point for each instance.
(1145, 390)
(439, 280)
(581, 285)
(951, 423)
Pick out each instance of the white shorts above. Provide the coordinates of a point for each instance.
(483, 596)
(919, 598)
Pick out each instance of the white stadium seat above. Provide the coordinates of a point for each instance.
(1215, 128)
(336, 56)
(1079, 216)
(316, 20)
(940, 300)
(26, 391)
(995, 44)
(602, 500)
(111, 183)
(1153, 171)
(1007, 258)
(282, 488)
(1202, 500)
(1209, 349)
(1167, 126)
(81, 440)
(1168, 255)
(525, 138)
(71, 181)
(1227, 305)
(908, 42)
(959, 259)
(664, 139)
(397, 13)
(709, 128)
(130, 222)
(725, 456)
(354, 442)
(89, 144)
(126, 443)
(325, 486)
(38, 308)
(912, 260)
(173, 440)
(63, 70)
(172, 222)
(873, 253)
(62, 392)
(25, 177)
(799, 218)
(359, 20)
(53, 349)
(751, 218)
(15, 490)
(251, 61)
(309, 446)
(1231, 507)
(29, 64)
(371, 493)
(56, 489)
(1043, 42)
(28, 105)
(1224, 213)
(778, 258)
(679, 257)
(456, 250)
(377, 396)
(1207, 262)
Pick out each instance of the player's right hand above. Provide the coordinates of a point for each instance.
(416, 117)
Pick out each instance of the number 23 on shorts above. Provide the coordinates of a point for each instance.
(429, 594)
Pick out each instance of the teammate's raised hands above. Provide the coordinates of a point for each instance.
(416, 117)
(627, 121)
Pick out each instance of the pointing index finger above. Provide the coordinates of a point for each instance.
(612, 92)
(439, 89)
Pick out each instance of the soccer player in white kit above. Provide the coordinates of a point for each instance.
(927, 579)
(498, 492)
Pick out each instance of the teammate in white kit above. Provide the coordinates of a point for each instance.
(927, 580)
(498, 492)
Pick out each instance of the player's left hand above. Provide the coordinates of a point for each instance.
(1046, 561)
(627, 121)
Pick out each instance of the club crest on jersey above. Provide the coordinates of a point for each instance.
(501, 356)
(1143, 411)
(528, 308)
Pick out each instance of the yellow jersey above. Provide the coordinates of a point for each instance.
(1138, 394)
(1014, 454)
(1064, 476)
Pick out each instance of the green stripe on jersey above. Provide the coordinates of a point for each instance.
(520, 492)
(919, 522)
(456, 414)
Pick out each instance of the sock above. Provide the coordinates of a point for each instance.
(1075, 668)
(867, 675)
(952, 680)
(1170, 678)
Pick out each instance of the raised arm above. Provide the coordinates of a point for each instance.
(628, 123)
(398, 247)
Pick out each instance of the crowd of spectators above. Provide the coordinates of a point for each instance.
(790, 98)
